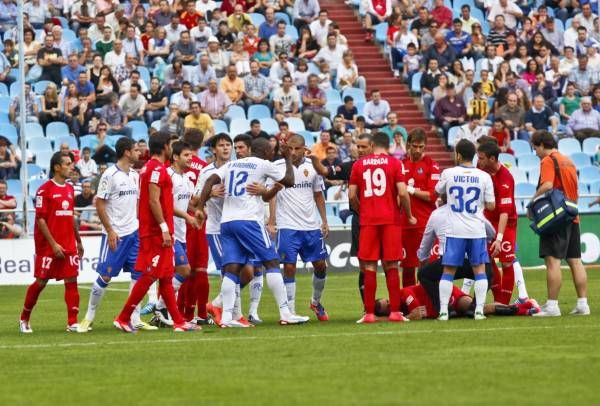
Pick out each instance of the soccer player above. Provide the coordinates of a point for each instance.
(116, 204)
(504, 219)
(58, 246)
(422, 174)
(376, 185)
(468, 190)
(294, 213)
(156, 258)
(243, 235)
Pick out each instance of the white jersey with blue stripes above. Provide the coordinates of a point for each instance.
(214, 205)
(182, 193)
(121, 191)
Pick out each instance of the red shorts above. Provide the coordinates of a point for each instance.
(509, 241)
(154, 259)
(380, 242)
(48, 267)
(197, 247)
(411, 240)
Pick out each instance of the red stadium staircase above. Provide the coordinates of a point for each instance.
(376, 69)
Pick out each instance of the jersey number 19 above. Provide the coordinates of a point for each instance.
(375, 182)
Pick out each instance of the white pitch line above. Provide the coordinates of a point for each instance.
(288, 337)
(109, 289)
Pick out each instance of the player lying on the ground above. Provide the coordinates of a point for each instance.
(417, 304)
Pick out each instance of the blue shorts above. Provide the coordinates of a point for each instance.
(180, 253)
(243, 241)
(456, 248)
(124, 257)
(309, 244)
(216, 250)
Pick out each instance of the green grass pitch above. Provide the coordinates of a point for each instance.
(502, 360)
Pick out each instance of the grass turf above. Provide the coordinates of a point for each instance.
(500, 360)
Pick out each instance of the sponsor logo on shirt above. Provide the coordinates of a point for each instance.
(155, 176)
(39, 201)
(506, 200)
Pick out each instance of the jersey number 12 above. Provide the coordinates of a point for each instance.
(237, 182)
(375, 182)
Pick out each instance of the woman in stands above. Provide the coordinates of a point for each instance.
(264, 56)
(500, 76)
(306, 47)
(31, 48)
(530, 73)
(51, 106)
(518, 63)
(107, 85)
(477, 41)
(596, 98)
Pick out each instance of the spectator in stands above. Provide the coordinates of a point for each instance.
(420, 26)
(449, 111)
(105, 44)
(8, 15)
(393, 127)
(307, 46)
(281, 68)
(284, 133)
(429, 81)
(216, 18)
(8, 163)
(320, 148)
(202, 74)
(585, 121)
(174, 29)
(507, 8)
(569, 103)
(337, 129)
(198, 120)
(583, 42)
(552, 34)
(159, 48)
(214, 101)
(501, 134)
(491, 62)
(269, 26)
(184, 97)
(399, 43)
(133, 103)
(593, 58)
(31, 107)
(88, 219)
(200, 35)
(184, 50)
(71, 71)
(440, 90)
(217, 57)
(51, 60)
(459, 39)
(281, 42)
(132, 45)
(377, 12)
(256, 130)
(96, 30)
(347, 74)
(442, 15)
(115, 118)
(360, 128)
(31, 48)
(256, 86)
(478, 104)
(175, 77)
(116, 57)
(345, 147)
(190, 17)
(106, 86)
(9, 228)
(238, 19)
(156, 101)
(467, 19)
(314, 100)
(85, 88)
(471, 130)
(498, 33)
(206, 7)
(264, 57)
(240, 58)
(540, 117)
(305, 12)
(319, 28)
(233, 86)
(87, 166)
(7, 202)
(545, 88)
(332, 160)
(52, 108)
(172, 123)
(123, 72)
(586, 17)
(376, 110)
(348, 111)
(411, 63)
(134, 78)
(286, 100)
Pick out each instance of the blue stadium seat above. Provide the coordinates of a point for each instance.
(533, 175)
(583, 188)
(90, 141)
(8, 130)
(144, 75)
(520, 147)
(595, 188)
(258, 111)
(34, 185)
(13, 186)
(156, 125)
(69, 35)
(508, 160)
(452, 134)
(14, 89)
(357, 94)
(568, 146)
(56, 130)
(381, 32)
(590, 146)
(63, 21)
(269, 126)
(257, 19)
(42, 159)
(234, 112)
(4, 103)
(584, 205)
(38, 143)
(581, 160)
(69, 140)
(239, 126)
(309, 138)
(478, 14)
(111, 140)
(518, 175)
(292, 32)
(332, 95)
(282, 16)
(220, 126)
(415, 85)
(527, 162)
(590, 174)
(3, 89)
(332, 107)
(524, 192)
(33, 130)
(34, 172)
(295, 124)
(139, 130)
(40, 87)
(4, 117)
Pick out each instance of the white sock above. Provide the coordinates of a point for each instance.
(153, 293)
(228, 289)
(256, 286)
(582, 302)
(177, 282)
(445, 292)
(275, 283)
(467, 285)
(237, 307)
(481, 287)
(552, 304)
(520, 280)
(160, 304)
(318, 286)
(290, 288)
(96, 295)
(218, 301)
(135, 316)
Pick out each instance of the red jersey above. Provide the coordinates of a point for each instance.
(156, 173)
(376, 176)
(54, 203)
(193, 174)
(190, 20)
(423, 175)
(414, 296)
(504, 190)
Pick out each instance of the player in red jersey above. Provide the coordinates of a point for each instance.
(504, 219)
(156, 258)
(422, 174)
(58, 246)
(376, 182)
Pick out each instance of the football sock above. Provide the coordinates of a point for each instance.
(177, 281)
(370, 289)
(96, 295)
(256, 286)
(153, 294)
(508, 283)
(228, 292)
(481, 287)
(72, 301)
(182, 294)
(582, 301)
(31, 297)
(135, 297)
(275, 284)
(505, 310)
(467, 285)
(290, 288)
(187, 293)
(167, 294)
(218, 301)
(446, 285)
(496, 282)
(361, 285)
(237, 307)
(551, 304)
(408, 277)
(202, 289)
(135, 316)
(318, 282)
(520, 280)
(392, 280)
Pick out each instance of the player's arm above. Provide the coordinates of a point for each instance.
(205, 194)
(320, 202)
(156, 209)
(319, 167)
(267, 194)
(428, 194)
(353, 197)
(427, 241)
(404, 198)
(112, 236)
(488, 194)
(77, 238)
(191, 220)
(272, 223)
(288, 179)
(546, 178)
(58, 251)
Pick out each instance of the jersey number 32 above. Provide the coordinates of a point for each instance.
(464, 199)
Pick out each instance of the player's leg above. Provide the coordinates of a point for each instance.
(288, 243)
(313, 250)
(198, 257)
(370, 251)
(507, 258)
(31, 297)
(411, 240)
(289, 280)
(478, 257)
(454, 254)
(520, 282)
(235, 255)
(246, 276)
(429, 277)
(392, 253)
(182, 271)
(215, 307)
(256, 287)
(496, 281)
(553, 248)
(123, 320)
(167, 293)
(152, 300)
(72, 302)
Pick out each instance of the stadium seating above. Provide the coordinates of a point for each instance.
(34, 172)
(269, 126)
(144, 75)
(518, 175)
(42, 159)
(381, 32)
(3, 89)
(56, 130)
(528, 162)
(282, 16)
(508, 160)
(234, 112)
(34, 185)
(523, 194)
(292, 32)
(452, 134)
(40, 87)
(590, 174)
(13, 186)
(595, 187)
(9, 131)
(258, 111)
(415, 85)
(295, 124)
(520, 148)
(33, 130)
(239, 126)
(90, 141)
(69, 140)
(257, 19)
(333, 95)
(139, 130)
(357, 94)
(220, 126)
(581, 160)
(591, 146)
(569, 146)
(309, 138)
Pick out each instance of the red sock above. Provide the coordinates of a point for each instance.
(202, 291)
(72, 301)
(31, 297)
(408, 277)
(392, 280)
(190, 297)
(137, 294)
(165, 286)
(508, 283)
(370, 290)
(182, 295)
(496, 282)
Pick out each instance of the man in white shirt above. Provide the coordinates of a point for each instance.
(174, 29)
(376, 110)
(87, 166)
(332, 54)
(507, 8)
(471, 131)
(281, 68)
(586, 17)
(116, 57)
(320, 27)
(286, 100)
